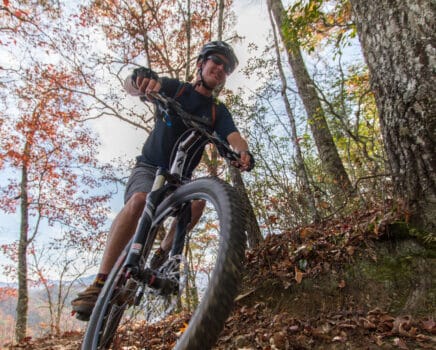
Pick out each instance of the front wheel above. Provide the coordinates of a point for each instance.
(210, 270)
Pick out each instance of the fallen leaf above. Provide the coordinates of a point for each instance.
(306, 232)
(324, 205)
(182, 329)
(400, 343)
(298, 275)
(350, 250)
(341, 284)
(429, 325)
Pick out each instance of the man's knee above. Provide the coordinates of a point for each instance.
(136, 203)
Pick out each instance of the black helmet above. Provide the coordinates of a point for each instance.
(222, 48)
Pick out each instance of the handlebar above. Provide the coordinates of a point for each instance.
(202, 125)
(170, 103)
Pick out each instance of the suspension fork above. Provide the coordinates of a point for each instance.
(184, 217)
(157, 194)
(183, 220)
(178, 164)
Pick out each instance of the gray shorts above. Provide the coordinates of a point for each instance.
(141, 180)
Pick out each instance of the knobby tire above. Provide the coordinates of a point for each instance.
(209, 317)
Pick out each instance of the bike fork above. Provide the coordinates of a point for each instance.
(184, 218)
(156, 195)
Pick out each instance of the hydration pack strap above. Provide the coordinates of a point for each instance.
(180, 91)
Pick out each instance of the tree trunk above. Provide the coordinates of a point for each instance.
(188, 42)
(254, 235)
(22, 302)
(221, 7)
(327, 150)
(252, 229)
(302, 176)
(397, 38)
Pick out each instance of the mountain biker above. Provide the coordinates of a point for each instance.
(215, 62)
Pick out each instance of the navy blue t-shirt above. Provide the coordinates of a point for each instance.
(158, 147)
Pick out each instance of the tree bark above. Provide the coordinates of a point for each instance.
(188, 41)
(302, 176)
(327, 150)
(22, 302)
(397, 37)
(252, 229)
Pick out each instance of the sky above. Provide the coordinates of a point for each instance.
(120, 140)
(251, 25)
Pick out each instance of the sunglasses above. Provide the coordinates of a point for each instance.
(219, 61)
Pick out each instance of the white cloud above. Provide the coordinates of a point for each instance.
(253, 25)
(118, 139)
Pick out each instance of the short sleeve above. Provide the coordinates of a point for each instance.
(224, 124)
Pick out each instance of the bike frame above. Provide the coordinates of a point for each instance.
(167, 181)
(164, 182)
(171, 196)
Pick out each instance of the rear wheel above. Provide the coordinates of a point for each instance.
(204, 279)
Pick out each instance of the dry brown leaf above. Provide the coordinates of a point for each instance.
(400, 343)
(367, 324)
(298, 275)
(182, 329)
(351, 250)
(429, 325)
(342, 284)
(306, 232)
(324, 205)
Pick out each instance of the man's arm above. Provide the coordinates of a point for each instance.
(240, 146)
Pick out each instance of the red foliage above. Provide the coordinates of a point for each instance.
(49, 143)
(164, 23)
(7, 293)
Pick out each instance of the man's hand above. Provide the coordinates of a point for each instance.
(148, 85)
(146, 81)
(246, 161)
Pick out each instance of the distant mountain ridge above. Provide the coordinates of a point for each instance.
(8, 284)
(81, 281)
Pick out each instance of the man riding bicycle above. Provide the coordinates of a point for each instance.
(215, 62)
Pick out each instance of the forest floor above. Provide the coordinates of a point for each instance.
(289, 309)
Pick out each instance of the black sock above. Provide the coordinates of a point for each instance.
(100, 279)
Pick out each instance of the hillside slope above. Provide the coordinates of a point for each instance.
(356, 283)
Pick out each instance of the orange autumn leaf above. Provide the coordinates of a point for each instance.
(182, 329)
(298, 275)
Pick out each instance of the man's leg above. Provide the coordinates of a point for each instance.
(197, 208)
(161, 254)
(122, 230)
(120, 233)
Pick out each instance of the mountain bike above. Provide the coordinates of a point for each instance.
(202, 273)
